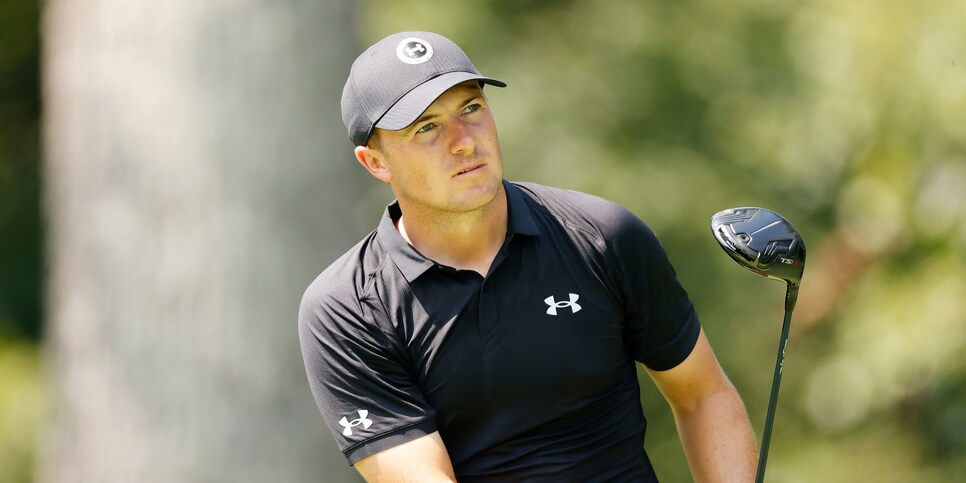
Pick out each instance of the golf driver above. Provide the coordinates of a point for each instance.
(767, 244)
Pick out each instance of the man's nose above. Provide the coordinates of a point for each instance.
(463, 142)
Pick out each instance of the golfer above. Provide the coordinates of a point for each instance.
(489, 330)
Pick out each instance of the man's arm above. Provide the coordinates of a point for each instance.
(710, 417)
(419, 460)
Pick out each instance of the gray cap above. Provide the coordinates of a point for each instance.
(397, 78)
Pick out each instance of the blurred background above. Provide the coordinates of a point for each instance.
(173, 174)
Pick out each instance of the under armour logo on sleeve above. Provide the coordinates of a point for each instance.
(554, 305)
(363, 419)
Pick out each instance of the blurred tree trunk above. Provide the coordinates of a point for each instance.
(197, 178)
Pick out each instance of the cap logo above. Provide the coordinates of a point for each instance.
(414, 51)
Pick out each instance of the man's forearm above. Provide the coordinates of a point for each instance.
(718, 439)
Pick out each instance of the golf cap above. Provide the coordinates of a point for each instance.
(397, 78)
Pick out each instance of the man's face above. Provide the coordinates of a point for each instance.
(448, 160)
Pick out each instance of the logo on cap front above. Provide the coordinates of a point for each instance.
(414, 51)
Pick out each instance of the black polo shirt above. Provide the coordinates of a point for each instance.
(527, 373)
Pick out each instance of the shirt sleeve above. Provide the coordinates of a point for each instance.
(358, 374)
(661, 325)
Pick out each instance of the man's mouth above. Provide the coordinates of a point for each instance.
(470, 169)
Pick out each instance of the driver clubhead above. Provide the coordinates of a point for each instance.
(761, 241)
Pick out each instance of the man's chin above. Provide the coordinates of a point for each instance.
(478, 197)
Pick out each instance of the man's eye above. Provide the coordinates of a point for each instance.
(471, 108)
(426, 127)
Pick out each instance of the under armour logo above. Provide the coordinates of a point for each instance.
(348, 425)
(554, 305)
(414, 51)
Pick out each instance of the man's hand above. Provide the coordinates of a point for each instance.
(710, 417)
(419, 460)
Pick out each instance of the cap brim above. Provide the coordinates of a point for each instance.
(415, 102)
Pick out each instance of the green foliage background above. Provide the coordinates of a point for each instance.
(21, 394)
(847, 117)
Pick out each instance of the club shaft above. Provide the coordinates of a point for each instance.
(773, 398)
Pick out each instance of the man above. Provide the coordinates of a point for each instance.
(486, 330)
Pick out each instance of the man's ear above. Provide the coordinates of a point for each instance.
(373, 160)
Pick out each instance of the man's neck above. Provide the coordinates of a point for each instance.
(467, 241)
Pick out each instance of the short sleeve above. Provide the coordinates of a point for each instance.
(358, 374)
(661, 326)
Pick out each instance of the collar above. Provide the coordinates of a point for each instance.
(412, 264)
